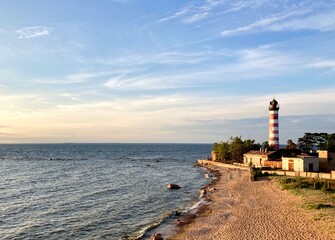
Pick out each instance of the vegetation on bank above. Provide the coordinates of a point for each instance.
(293, 183)
(233, 149)
(317, 195)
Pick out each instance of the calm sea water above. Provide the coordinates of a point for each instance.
(94, 191)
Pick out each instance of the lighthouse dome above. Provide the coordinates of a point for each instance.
(274, 105)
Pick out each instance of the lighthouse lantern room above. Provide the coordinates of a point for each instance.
(273, 124)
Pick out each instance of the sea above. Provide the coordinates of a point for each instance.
(96, 191)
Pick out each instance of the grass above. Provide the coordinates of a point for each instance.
(294, 183)
(318, 197)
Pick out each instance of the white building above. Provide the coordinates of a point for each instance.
(300, 163)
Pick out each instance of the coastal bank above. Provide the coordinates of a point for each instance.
(242, 209)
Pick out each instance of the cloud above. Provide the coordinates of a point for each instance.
(122, 82)
(195, 12)
(76, 78)
(71, 96)
(34, 31)
(244, 65)
(127, 118)
(291, 21)
(166, 58)
(323, 22)
(261, 25)
(175, 15)
(323, 64)
(195, 17)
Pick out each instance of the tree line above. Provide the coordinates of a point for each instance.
(235, 147)
(317, 141)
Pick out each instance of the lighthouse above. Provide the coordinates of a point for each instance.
(273, 124)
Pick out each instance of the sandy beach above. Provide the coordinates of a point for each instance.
(242, 209)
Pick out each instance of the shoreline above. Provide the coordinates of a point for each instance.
(242, 209)
(177, 221)
(202, 209)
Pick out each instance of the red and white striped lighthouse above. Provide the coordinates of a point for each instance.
(273, 124)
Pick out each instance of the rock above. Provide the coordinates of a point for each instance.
(173, 186)
(157, 236)
(176, 213)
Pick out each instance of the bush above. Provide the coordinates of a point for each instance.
(307, 183)
(318, 206)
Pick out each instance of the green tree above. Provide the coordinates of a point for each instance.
(249, 144)
(265, 144)
(222, 151)
(329, 143)
(290, 144)
(236, 149)
(314, 141)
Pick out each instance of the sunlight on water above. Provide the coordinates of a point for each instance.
(93, 190)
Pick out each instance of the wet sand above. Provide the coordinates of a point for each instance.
(242, 209)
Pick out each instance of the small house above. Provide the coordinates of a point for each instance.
(264, 158)
(256, 158)
(300, 163)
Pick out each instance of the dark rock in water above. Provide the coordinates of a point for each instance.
(157, 236)
(173, 186)
(177, 213)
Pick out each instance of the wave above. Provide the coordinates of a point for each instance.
(169, 223)
(140, 234)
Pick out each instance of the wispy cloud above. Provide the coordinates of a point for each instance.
(194, 12)
(73, 97)
(261, 25)
(124, 82)
(76, 78)
(167, 58)
(196, 17)
(246, 64)
(323, 64)
(175, 15)
(33, 32)
(291, 21)
(323, 22)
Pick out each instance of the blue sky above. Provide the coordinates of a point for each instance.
(164, 70)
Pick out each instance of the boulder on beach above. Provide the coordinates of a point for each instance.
(157, 236)
(173, 186)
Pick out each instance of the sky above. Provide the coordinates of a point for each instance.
(164, 71)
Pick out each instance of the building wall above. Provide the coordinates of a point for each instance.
(323, 154)
(257, 160)
(327, 160)
(285, 165)
(273, 164)
(300, 164)
(311, 160)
